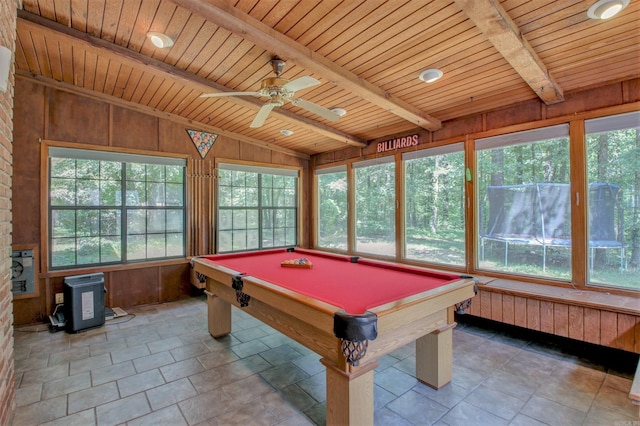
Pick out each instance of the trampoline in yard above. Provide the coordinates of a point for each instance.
(540, 214)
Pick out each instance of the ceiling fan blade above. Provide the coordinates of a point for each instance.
(216, 95)
(262, 115)
(316, 109)
(301, 83)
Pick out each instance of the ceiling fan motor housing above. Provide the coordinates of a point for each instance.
(273, 87)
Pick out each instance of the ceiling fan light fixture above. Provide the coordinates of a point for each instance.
(338, 111)
(605, 9)
(286, 132)
(431, 75)
(160, 40)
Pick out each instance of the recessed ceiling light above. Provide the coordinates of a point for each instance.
(339, 111)
(430, 75)
(286, 132)
(605, 9)
(160, 40)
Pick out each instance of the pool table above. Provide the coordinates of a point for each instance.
(349, 310)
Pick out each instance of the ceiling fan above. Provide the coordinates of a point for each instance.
(281, 91)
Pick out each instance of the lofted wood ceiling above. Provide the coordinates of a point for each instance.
(367, 54)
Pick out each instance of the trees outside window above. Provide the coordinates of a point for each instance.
(257, 208)
(375, 206)
(524, 203)
(434, 205)
(613, 174)
(332, 220)
(110, 208)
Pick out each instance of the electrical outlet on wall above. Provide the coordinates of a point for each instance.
(59, 298)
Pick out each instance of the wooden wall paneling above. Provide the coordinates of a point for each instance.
(608, 328)
(520, 311)
(592, 325)
(533, 314)
(74, 118)
(626, 332)
(134, 130)
(576, 322)
(496, 306)
(546, 316)
(28, 127)
(508, 305)
(173, 138)
(135, 287)
(561, 319)
(485, 304)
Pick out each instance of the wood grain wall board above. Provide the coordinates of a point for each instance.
(485, 304)
(592, 325)
(496, 307)
(533, 314)
(561, 319)
(608, 328)
(520, 318)
(74, 118)
(626, 332)
(508, 309)
(132, 129)
(547, 317)
(576, 322)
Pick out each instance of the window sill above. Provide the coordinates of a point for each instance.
(111, 268)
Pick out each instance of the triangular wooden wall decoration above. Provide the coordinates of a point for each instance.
(202, 140)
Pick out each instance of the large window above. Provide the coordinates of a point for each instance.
(434, 205)
(524, 203)
(375, 214)
(109, 208)
(613, 172)
(332, 211)
(257, 208)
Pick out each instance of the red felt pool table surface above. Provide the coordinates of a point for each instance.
(334, 279)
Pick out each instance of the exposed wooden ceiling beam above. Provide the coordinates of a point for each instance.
(494, 22)
(134, 59)
(226, 16)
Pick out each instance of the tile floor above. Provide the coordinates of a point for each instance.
(160, 366)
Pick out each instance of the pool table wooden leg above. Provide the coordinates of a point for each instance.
(349, 395)
(434, 357)
(218, 315)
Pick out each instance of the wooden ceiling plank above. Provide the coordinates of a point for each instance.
(167, 90)
(121, 82)
(262, 35)
(95, 11)
(184, 40)
(110, 19)
(47, 9)
(175, 29)
(78, 67)
(66, 61)
(79, 15)
(494, 22)
(197, 46)
(395, 29)
(90, 64)
(126, 24)
(111, 77)
(317, 14)
(132, 83)
(142, 24)
(37, 23)
(62, 12)
(102, 66)
(330, 20)
(160, 23)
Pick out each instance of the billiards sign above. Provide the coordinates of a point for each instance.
(398, 143)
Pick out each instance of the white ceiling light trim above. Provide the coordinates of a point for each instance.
(605, 9)
(160, 40)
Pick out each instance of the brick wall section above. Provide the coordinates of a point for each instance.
(8, 12)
